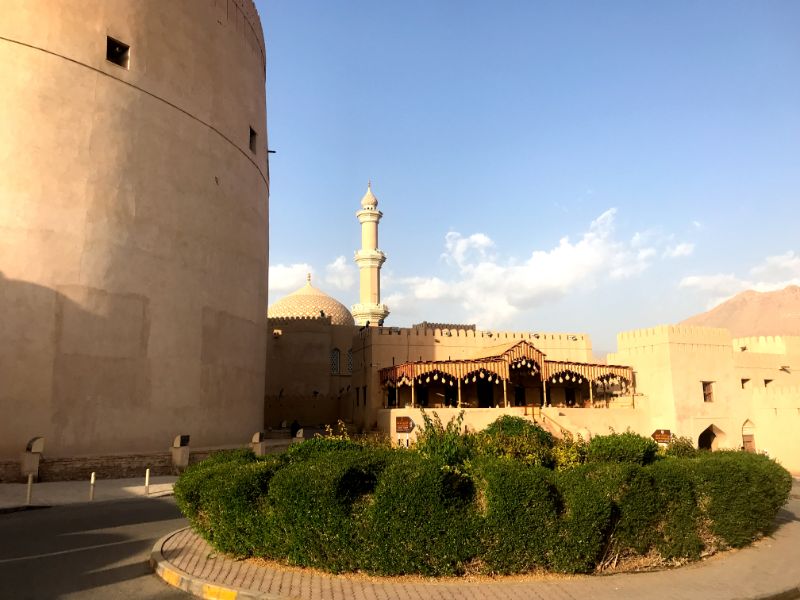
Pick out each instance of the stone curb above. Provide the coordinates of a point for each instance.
(202, 588)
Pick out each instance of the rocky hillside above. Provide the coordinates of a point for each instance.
(755, 313)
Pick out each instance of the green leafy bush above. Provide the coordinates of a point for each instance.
(518, 439)
(625, 447)
(681, 447)
(741, 492)
(316, 508)
(520, 506)
(449, 443)
(422, 519)
(583, 525)
(223, 500)
(569, 452)
(341, 505)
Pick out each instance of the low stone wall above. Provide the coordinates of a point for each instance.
(104, 467)
(9, 471)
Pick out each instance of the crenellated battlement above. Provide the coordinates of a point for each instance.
(763, 344)
(469, 332)
(663, 334)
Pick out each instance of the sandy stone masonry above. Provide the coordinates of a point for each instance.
(133, 224)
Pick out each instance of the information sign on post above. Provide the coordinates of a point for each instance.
(403, 424)
(662, 436)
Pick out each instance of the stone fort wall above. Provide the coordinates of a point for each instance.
(133, 225)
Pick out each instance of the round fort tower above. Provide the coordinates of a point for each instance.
(133, 224)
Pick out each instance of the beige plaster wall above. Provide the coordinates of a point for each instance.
(300, 383)
(133, 225)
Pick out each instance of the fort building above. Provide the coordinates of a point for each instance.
(696, 382)
(134, 220)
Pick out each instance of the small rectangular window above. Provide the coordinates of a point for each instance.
(744, 383)
(708, 391)
(118, 52)
(253, 141)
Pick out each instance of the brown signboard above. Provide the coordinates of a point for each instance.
(403, 424)
(662, 436)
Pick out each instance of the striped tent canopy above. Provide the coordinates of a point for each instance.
(591, 372)
(500, 366)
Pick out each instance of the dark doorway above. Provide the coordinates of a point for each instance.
(519, 396)
(706, 439)
(569, 397)
(485, 394)
(422, 396)
(391, 400)
(450, 396)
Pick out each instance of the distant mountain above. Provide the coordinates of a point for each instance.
(755, 313)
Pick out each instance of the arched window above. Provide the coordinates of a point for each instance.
(335, 355)
(350, 361)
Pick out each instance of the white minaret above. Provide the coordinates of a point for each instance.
(369, 260)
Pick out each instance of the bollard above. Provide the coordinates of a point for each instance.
(91, 488)
(30, 489)
(147, 482)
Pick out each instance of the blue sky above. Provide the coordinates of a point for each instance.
(541, 166)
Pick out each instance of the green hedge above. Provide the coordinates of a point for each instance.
(625, 447)
(520, 514)
(741, 493)
(344, 506)
(518, 439)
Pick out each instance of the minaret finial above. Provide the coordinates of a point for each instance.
(308, 277)
(369, 184)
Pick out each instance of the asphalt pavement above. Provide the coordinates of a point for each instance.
(96, 550)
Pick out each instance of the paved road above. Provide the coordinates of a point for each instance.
(97, 550)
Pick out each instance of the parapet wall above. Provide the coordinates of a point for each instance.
(673, 334)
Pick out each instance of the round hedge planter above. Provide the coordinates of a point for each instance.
(339, 505)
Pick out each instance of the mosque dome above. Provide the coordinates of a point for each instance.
(369, 200)
(310, 302)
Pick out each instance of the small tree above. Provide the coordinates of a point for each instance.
(449, 443)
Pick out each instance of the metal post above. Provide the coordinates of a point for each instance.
(147, 482)
(505, 395)
(544, 392)
(91, 487)
(30, 489)
(591, 395)
(412, 393)
(459, 392)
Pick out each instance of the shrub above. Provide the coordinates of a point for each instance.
(320, 446)
(569, 452)
(583, 524)
(316, 505)
(741, 493)
(223, 498)
(681, 447)
(518, 439)
(519, 504)
(449, 444)
(678, 523)
(422, 519)
(625, 447)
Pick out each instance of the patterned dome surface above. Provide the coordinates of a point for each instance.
(308, 301)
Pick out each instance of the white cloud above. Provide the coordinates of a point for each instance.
(679, 250)
(287, 278)
(459, 249)
(773, 273)
(340, 274)
(490, 291)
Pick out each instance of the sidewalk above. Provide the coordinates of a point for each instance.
(769, 569)
(12, 495)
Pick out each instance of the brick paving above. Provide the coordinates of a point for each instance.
(769, 569)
